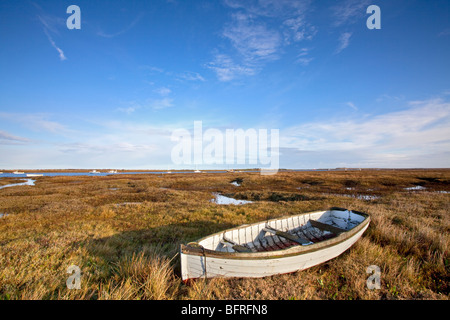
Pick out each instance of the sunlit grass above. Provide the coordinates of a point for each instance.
(124, 233)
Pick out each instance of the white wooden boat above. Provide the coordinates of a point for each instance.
(18, 172)
(95, 171)
(276, 246)
(35, 175)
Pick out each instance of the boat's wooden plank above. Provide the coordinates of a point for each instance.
(264, 244)
(278, 243)
(285, 235)
(271, 243)
(299, 233)
(326, 227)
(309, 235)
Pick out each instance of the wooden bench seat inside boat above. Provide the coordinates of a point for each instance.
(286, 235)
(326, 227)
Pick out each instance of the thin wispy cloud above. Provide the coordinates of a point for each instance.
(50, 25)
(253, 40)
(349, 11)
(344, 41)
(190, 76)
(258, 32)
(117, 142)
(36, 122)
(421, 130)
(297, 29)
(151, 69)
(303, 57)
(387, 97)
(163, 91)
(226, 69)
(270, 8)
(128, 110)
(136, 20)
(7, 138)
(351, 105)
(62, 57)
(290, 16)
(444, 33)
(163, 103)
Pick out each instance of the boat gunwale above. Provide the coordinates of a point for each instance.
(281, 253)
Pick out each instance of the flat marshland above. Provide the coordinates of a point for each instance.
(124, 232)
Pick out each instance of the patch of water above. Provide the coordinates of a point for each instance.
(416, 188)
(3, 215)
(235, 183)
(128, 204)
(220, 199)
(367, 197)
(29, 182)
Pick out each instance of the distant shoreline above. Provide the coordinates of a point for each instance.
(204, 170)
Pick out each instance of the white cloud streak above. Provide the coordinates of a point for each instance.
(344, 41)
(420, 131)
(226, 69)
(351, 105)
(251, 39)
(190, 76)
(37, 122)
(124, 30)
(7, 138)
(62, 57)
(51, 24)
(303, 57)
(349, 11)
(258, 32)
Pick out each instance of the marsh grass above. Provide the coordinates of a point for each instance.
(124, 233)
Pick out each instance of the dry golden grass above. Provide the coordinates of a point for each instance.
(124, 232)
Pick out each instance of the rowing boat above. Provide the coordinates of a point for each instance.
(276, 246)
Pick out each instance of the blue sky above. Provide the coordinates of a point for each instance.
(110, 94)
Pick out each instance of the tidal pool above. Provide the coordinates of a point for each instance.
(220, 199)
(29, 182)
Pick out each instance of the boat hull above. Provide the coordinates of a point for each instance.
(209, 264)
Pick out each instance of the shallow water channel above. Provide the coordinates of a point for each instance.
(29, 182)
(220, 199)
